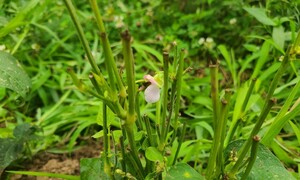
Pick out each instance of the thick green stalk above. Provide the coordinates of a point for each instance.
(158, 113)
(129, 66)
(223, 123)
(130, 119)
(81, 35)
(215, 93)
(163, 124)
(252, 158)
(176, 93)
(133, 150)
(135, 165)
(107, 164)
(178, 87)
(217, 129)
(109, 59)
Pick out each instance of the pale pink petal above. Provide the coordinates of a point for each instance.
(150, 79)
(152, 93)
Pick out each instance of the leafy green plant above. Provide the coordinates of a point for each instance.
(12, 75)
(124, 105)
(186, 126)
(155, 150)
(13, 147)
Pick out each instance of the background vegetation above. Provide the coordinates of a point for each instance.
(247, 38)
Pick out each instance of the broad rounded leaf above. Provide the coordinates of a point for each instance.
(183, 171)
(12, 76)
(266, 166)
(92, 169)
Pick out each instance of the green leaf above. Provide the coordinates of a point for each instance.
(154, 155)
(264, 53)
(278, 36)
(183, 171)
(92, 169)
(296, 130)
(26, 132)
(12, 148)
(266, 166)
(12, 76)
(111, 120)
(260, 15)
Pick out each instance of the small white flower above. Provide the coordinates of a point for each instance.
(209, 40)
(119, 21)
(209, 43)
(232, 21)
(201, 41)
(281, 58)
(152, 92)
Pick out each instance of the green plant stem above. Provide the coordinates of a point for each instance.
(223, 123)
(149, 164)
(215, 93)
(252, 158)
(107, 164)
(83, 88)
(134, 150)
(174, 84)
(100, 86)
(164, 123)
(109, 59)
(181, 139)
(149, 131)
(178, 88)
(135, 165)
(95, 84)
(138, 113)
(243, 151)
(130, 119)
(158, 113)
(249, 92)
(81, 35)
(129, 66)
(217, 128)
(122, 160)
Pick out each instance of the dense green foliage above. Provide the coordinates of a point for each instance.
(252, 46)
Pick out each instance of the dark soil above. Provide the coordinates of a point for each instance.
(57, 163)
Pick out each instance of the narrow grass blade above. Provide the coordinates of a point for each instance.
(46, 174)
